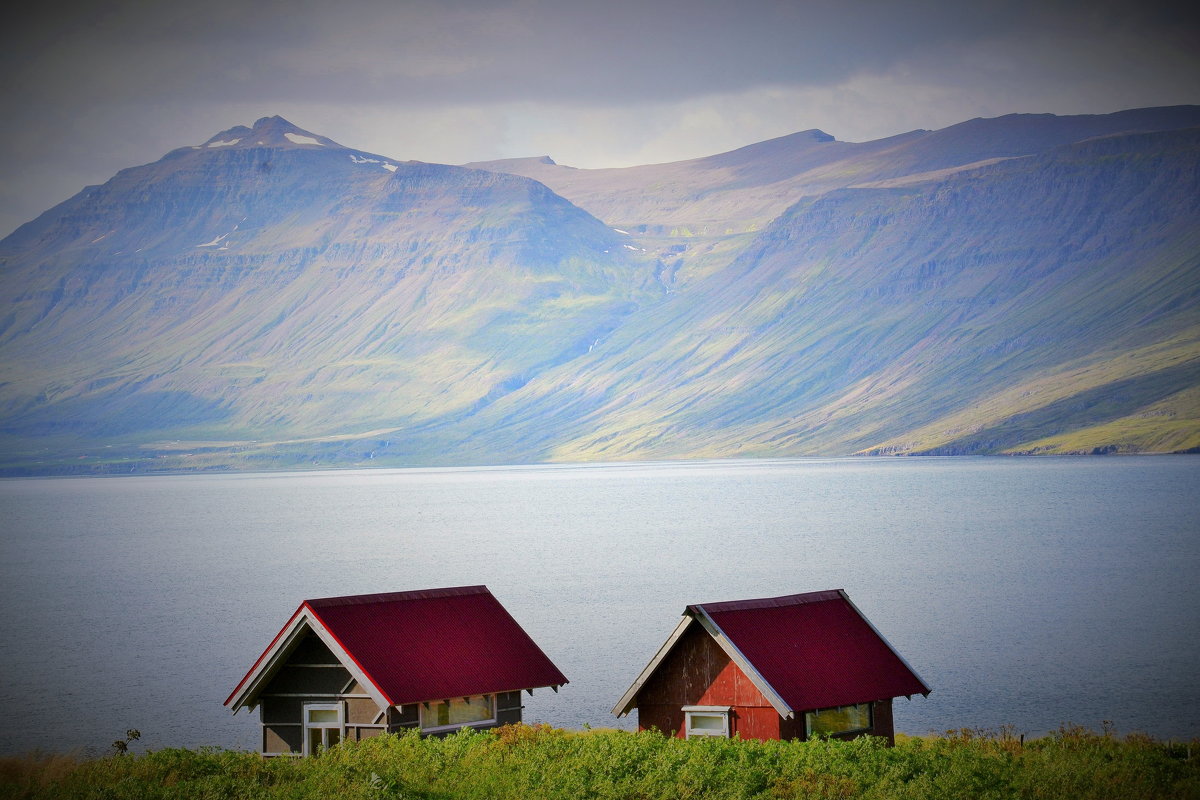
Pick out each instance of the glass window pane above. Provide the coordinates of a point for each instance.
(314, 740)
(477, 710)
(437, 714)
(708, 722)
(457, 712)
(332, 736)
(318, 715)
(838, 720)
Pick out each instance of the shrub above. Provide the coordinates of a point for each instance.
(521, 761)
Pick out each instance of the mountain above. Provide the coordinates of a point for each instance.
(746, 188)
(273, 283)
(1027, 284)
(1047, 304)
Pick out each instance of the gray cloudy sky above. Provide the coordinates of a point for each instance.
(95, 88)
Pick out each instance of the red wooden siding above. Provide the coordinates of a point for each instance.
(769, 661)
(697, 672)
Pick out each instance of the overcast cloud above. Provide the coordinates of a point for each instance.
(91, 90)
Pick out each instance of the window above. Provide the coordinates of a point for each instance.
(460, 711)
(706, 721)
(842, 719)
(322, 726)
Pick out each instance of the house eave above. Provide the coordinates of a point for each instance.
(245, 695)
(348, 660)
(628, 701)
(697, 614)
(743, 663)
(888, 644)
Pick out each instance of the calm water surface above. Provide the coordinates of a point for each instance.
(1030, 592)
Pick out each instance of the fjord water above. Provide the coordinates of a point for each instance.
(1030, 592)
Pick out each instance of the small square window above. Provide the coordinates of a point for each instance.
(322, 726)
(706, 721)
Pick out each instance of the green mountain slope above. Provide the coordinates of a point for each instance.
(270, 298)
(1040, 296)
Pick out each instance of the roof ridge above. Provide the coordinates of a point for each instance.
(771, 602)
(393, 597)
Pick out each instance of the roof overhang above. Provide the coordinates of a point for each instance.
(707, 619)
(628, 701)
(735, 655)
(245, 695)
(696, 614)
(883, 639)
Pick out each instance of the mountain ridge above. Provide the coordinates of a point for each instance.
(297, 302)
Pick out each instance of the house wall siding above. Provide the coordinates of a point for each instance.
(300, 680)
(361, 711)
(311, 650)
(883, 721)
(282, 738)
(280, 710)
(698, 672)
(508, 708)
(399, 721)
(304, 678)
(308, 680)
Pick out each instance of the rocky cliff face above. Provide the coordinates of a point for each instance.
(270, 298)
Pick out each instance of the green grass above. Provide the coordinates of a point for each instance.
(523, 762)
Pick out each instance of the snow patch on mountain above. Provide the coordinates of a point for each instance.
(296, 138)
(364, 160)
(214, 242)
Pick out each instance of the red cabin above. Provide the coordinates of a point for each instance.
(776, 668)
(354, 667)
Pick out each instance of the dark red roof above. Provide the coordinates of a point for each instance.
(815, 649)
(431, 645)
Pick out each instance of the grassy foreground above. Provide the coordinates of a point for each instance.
(523, 762)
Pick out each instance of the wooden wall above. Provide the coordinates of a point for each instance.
(508, 708)
(698, 672)
(312, 674)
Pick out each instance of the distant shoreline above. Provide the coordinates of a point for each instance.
(116, 469)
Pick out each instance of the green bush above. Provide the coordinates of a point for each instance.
(519, 762)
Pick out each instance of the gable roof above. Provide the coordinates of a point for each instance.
(412, 647)
(802, 651)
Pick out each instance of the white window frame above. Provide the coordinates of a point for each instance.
(339, 726)
(491, 698)
(705, 711)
